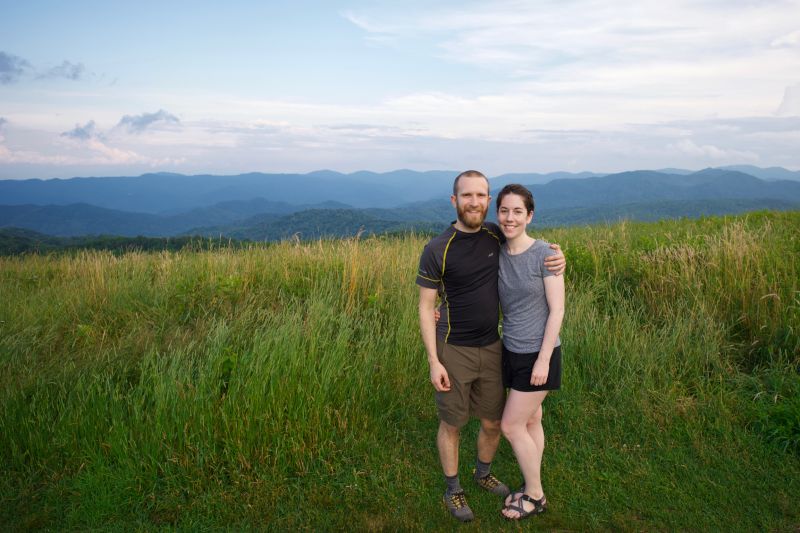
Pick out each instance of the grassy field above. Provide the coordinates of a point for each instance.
(285, 387)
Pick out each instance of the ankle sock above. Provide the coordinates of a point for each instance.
(482, 469)
(452, 484)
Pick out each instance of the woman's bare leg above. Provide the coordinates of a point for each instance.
(536, 431)
(522, 426)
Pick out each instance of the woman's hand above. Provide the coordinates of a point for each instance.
(541, 369)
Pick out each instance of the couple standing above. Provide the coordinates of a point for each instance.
(476, 267)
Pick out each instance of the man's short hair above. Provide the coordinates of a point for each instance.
(469, 174)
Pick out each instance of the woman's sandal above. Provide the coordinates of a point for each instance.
(539, 506)
(514, 496)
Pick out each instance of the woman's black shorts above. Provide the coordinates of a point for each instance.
(517, 369)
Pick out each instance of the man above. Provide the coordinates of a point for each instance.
(464, 349)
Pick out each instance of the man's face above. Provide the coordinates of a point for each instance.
(472, 201)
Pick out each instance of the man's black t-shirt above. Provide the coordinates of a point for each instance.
(463, 267)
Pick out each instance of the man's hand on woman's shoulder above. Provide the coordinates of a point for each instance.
(557, 263)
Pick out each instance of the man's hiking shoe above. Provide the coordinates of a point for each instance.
(456, 503)
(492, 484)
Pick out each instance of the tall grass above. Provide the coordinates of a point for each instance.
(286, 387)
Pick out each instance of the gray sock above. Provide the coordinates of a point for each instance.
(452, 484)
(481, 468)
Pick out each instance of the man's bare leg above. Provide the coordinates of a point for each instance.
(447, 442)
(488, 439)
(454, 499)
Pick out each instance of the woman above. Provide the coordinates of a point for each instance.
(532, 301)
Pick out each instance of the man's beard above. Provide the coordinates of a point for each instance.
(471, 220)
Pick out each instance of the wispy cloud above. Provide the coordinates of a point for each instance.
(790, 105)
(587, 31)
(86, 145)
(240, 146)
(648, 59)
(67, 69)
(711, 152)
(81, 146)
(117, 156)
(82, 133)
(139, 123)
(379, 33)
(790, 40)
(12, 68)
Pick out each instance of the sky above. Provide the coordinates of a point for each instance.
(125, 88)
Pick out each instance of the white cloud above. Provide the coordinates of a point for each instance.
(789, 40)
(683, 59)
(711, 152)
(377, 35)
(790, 105)
(81, 146)
(486, 132)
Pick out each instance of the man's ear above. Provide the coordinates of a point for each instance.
(453, 200)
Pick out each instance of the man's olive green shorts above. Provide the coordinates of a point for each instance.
(476, 382)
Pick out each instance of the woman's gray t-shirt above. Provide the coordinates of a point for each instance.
(522, 297)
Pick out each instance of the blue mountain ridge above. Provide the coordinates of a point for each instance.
(569, 200)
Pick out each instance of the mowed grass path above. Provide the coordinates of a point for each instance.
(285, 387)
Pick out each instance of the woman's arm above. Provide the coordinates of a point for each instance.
(554, 292)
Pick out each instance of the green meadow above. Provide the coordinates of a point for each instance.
(285, 387)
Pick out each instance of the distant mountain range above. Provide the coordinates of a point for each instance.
(85, 219)
(166, 193)
(325, 203)
(650, 186)
(171, 193)
(769, 174)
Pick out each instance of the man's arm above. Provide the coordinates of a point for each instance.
(557, 263)
(427, 326)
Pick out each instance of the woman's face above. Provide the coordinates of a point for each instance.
(513, 216)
